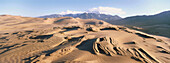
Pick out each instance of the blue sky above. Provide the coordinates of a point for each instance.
(33, 8)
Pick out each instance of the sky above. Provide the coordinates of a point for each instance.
(123, 8)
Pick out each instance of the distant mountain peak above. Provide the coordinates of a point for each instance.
(86, 15)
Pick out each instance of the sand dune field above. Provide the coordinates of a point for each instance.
(75, 40)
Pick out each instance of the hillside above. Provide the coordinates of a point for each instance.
(158, 24)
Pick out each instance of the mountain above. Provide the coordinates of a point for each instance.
(158, 24)
(51, 16)
(104, 17)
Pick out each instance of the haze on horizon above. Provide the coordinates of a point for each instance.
(123, 8)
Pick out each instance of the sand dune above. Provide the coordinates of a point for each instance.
(74, 40)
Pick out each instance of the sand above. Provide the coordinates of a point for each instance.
(75, 40)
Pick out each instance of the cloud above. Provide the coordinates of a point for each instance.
(71, 12)
(106, 10)
(98, 10)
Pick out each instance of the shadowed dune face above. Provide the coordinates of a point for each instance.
(71, 40)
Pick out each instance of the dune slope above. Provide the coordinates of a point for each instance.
(74, 40)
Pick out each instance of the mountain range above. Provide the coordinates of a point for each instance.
(103, 17)
(158, 24)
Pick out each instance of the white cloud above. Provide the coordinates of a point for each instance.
(99, 10)
(106, 10)
(71, 12)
